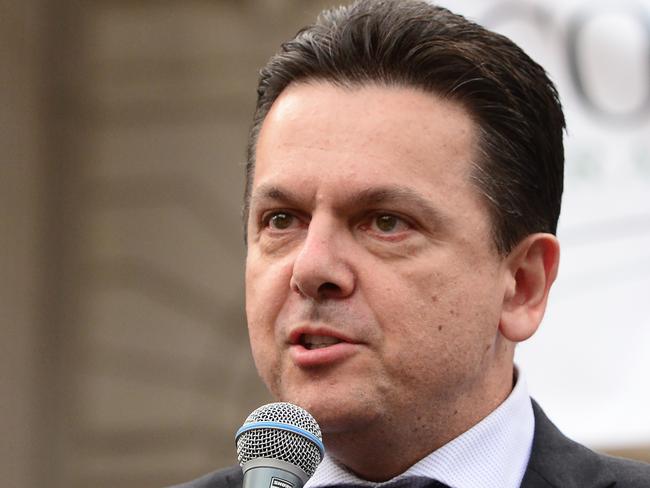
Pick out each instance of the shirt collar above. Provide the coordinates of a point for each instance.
(492, 454)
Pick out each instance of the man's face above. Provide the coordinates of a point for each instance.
(373, 287)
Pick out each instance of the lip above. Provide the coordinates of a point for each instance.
(324, 356)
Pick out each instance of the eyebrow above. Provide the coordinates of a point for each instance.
(369, 197)
(275, 194)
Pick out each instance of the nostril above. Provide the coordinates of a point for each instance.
(328, 288)
(295, 286)
(322, 282)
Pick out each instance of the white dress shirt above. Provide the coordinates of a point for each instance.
(492, 454)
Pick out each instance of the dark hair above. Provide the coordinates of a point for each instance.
(416, 44)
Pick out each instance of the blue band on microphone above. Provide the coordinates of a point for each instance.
(281, 426)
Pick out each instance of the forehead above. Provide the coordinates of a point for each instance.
(352, 138)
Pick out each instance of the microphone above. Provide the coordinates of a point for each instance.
(279, 446)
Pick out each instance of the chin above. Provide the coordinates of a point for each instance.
(336, 411)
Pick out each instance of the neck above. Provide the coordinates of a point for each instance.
(386, 449)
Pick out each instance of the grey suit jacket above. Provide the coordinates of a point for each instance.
(555, 462)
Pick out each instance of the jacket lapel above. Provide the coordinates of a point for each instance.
(558, 462)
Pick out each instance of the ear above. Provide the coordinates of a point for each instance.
(531, 269)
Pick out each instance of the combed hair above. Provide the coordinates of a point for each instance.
(416, 44)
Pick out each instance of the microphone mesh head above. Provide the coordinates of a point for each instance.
(275, 443)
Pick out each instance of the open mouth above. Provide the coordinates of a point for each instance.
(310, 341)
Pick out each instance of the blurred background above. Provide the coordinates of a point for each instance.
(123, 347)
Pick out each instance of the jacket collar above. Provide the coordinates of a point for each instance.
(558, 462)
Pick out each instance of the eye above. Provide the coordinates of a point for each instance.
(388, 224)
(280, 220)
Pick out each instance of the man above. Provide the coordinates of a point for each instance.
(403, 190)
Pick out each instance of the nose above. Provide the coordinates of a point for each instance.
(321, 269)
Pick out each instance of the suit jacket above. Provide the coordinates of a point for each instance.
(555, 462)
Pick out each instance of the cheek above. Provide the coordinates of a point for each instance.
(410, 308)
(266, 292)
(267, 286)
(437, 317)
(264, 348)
